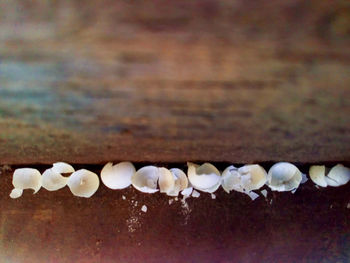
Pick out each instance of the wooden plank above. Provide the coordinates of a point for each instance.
(255, 106)
(112, 82)
(308, 226)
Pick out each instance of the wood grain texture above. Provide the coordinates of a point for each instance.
(214, 81)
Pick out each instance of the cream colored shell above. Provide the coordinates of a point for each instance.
(337, 176)
(205, 177)
(52, 180)
(146, 179)
(181, 181)
(83, 183)
(117, 176)
(283, 176)
(62, 168)
(25, 178)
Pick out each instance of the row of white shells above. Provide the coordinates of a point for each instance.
(281, 177)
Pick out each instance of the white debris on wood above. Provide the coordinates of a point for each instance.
(195, 194)
(144, 208)
(213, 196)
(253, 195)
(264, 192)
(304, 178)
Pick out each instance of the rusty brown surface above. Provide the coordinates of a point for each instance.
(311, 225)
(175, 81)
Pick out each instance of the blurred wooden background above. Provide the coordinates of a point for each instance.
(226, 81)
(172, 81)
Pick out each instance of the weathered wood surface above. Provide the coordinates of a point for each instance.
(213, 81)
(166, 82)
(311, 225)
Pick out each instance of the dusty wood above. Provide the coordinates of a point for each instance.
(214, 81)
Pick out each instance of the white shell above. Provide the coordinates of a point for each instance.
(145, 179)
(283, 176)
(247, 178)
(331, 182)
(340, 174)
(252, 195)
(231, 179)
(117, 176)
(195, 194)
(304, 178)
(83, 183)
(205, 178)
(63, 168)
(25, 178)
(264, 193)
(166, 180)
(52, 180)
(181, 181)
(187, 191)
(144, 208)
(317, 175)
(337, 176)
(15, 193)
(256, 174)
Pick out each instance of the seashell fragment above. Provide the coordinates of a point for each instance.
(83, 183)
(304, 178)
(283, 176)
(252, 195)
(145, 179)
(117, 176)
(25, 178)
(317, 175)
(144, 208)
(231, 179)
(340, 174)
(255, 175)
(52, 180)
(181, 181)
(264, 193)
(195, 194)
(245, 179)
(63, 168)
(166, 180)
(187, 191)
(205, 178)
(337, 176)
(15, 193)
